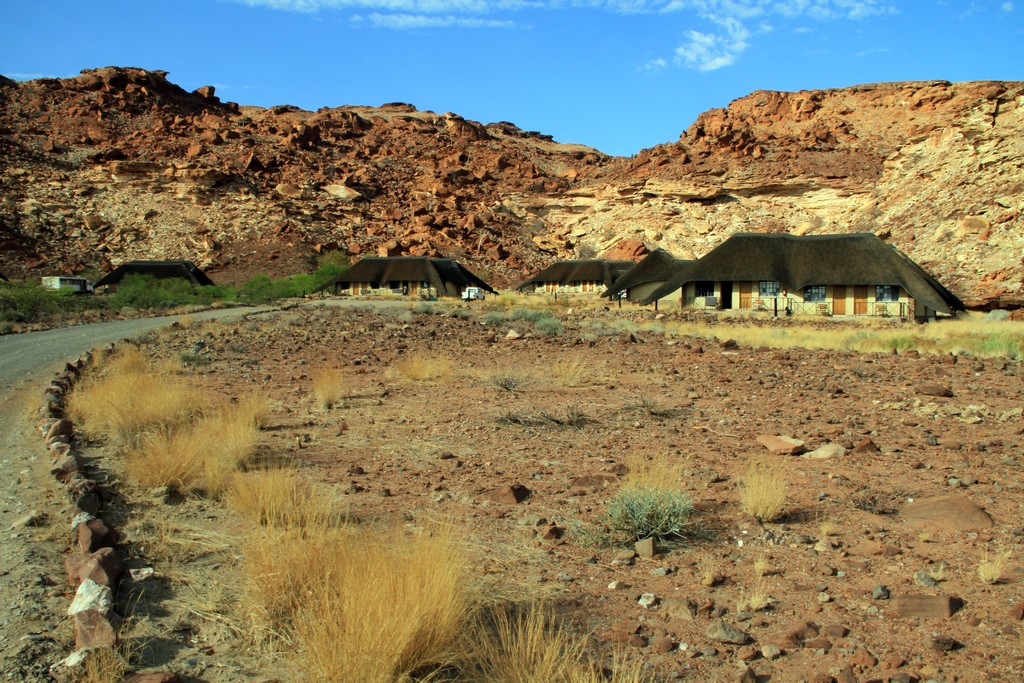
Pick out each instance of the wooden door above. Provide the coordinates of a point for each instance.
(746, 294)
(860, 300)
(838, 300)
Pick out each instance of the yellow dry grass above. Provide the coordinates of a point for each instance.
(201, 456)
(570, 373)
(659, 472)
(991, 569)
(755, 599)
(421, 367)
(328, 386)
(127, 397)
(762, 492)
(280, 498)
(977, 334)
(527, 645)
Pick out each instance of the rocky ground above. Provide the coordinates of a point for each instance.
(909, 475)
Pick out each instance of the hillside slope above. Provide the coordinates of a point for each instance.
(121, 163)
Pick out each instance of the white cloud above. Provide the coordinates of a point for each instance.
(655, 65)
(711, 51)
(405, 22)
(1006, 7)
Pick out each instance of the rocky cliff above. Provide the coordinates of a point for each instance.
(121, 163)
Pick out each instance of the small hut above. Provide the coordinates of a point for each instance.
(186, 270)
(415, 276)
(640, 281)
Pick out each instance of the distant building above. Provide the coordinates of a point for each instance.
(185, 270)
(587, 276)
(640, 281)
(75, 284)
(414, 276)
(855, 274)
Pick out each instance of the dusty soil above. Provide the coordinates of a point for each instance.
(415, 451)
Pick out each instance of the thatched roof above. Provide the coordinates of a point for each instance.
(185, 270)
(658, 266)
(588, 270)
(798, 261)
(379, 270)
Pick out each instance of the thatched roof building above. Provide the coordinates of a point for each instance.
(186, 270)
(407, 274)
(567, 273)
(800, 261)
(657, 268)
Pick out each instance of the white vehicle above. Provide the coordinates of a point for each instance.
(471, 293)
(76, 284)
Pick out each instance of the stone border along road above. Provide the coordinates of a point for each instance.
(33, 596)
(33, 591)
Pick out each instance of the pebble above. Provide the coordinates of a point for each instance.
(648, 600)
(880, 592)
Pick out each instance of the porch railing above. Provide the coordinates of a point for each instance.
(789, 306)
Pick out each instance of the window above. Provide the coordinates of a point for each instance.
(704, 288)
(814, 293)
(768, 288)
(887, 293)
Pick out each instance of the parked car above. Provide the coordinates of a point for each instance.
(470, 293)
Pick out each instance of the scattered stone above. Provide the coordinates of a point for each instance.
(648, 600)
(34, 518)
(661, 644)
(748, 676)
(794, 636)
(783, 445)
(91, 596)
(934, 389)
(679, 608)
(926, 606)
(508, 495)
(645, 548)
(624, 557)
(141, 573)
(950, 512)
(943, 643)
(880, 592)
(154, 677)
(512, 335)
(721, 632)
(771, 652)
(62, 427)
(926, 579)
(826, 452)
(865, 445)
(618, 585)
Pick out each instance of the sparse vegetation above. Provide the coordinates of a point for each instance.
(573, 416)
(328, 386)
(762, 492)
(879, 501)
(509, 382)
(755, 599)
(992, 568)
(126, 398)
(420, 367)
(709, 571)
(639, 511)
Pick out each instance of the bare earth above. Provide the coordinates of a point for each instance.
(419, 451)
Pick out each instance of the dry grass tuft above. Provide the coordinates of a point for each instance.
(762, 492)
(281, 498)
(328, 386)
(991, 569)
(528, 645)
(762, 565)
(709, 571)
(371, 608)
(420, 367)
(127, 397)
(660, 471)
(755, 600)
(571, 373)
(202, 456)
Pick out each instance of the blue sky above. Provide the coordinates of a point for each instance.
(618, 75)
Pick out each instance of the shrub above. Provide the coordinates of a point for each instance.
(762, 492)
(639, 511)
(548, 327)
(530, 315)
(494, 318)
(281, 498)
(509, 382)
(30, 301)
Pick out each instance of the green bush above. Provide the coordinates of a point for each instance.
(29, 301)
(146, 291)
(495, 318)
(548, 327)
(640, 511)
(530, 315)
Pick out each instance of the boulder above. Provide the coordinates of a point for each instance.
(951, 512)
(783, 445)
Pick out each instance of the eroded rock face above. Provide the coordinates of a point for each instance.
(121, 163)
